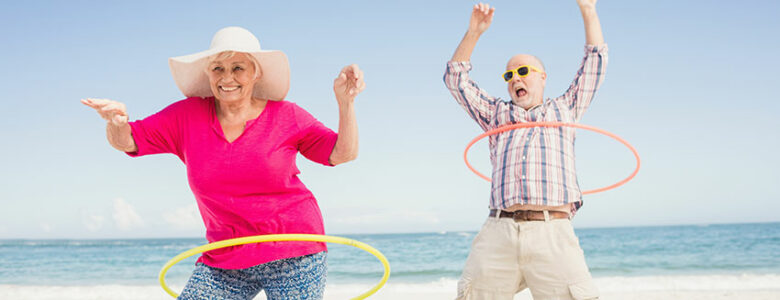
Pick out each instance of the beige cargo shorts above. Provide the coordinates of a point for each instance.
(507, 257)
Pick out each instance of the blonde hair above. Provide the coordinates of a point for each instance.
(228, 54)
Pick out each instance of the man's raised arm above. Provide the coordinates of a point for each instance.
(593, 35)
(481, 17)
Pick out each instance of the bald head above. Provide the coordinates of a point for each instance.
(525, 59)
(527, 92)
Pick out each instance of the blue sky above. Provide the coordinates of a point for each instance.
(692, 85)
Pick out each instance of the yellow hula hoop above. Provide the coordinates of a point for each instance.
(278, 238)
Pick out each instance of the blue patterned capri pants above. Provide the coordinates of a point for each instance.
(292, 278)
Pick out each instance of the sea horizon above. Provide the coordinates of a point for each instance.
(401, 232)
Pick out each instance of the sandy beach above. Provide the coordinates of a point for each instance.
(711, 287)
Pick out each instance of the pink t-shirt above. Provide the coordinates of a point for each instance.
(247, 187)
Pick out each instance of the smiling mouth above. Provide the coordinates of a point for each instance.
(229, 89)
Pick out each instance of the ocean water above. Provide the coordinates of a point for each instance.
(735, 250)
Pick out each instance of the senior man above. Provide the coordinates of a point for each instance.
(528, 240)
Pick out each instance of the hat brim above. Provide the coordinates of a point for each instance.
(189, 73)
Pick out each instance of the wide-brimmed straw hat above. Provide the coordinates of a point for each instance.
(189, 70)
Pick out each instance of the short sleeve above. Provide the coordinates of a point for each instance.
(160, 132)
(315, 141)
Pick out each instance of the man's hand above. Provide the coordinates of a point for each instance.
(481, 17)
(586, 4)
(593, 34)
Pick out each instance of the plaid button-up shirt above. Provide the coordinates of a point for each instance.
(531, 166)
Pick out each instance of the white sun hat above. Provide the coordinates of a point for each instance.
(189, 71)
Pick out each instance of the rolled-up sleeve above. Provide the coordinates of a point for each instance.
(315, 140)
(478, 104)
(159, 133)
(589, 77)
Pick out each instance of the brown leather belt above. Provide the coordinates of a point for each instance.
(528, 215)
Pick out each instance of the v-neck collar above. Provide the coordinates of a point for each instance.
(217, 127)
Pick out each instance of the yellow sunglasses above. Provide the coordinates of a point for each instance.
(521, 71)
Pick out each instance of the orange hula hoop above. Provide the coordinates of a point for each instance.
(555, 124)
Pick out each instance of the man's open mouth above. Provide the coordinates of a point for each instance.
(520, 92)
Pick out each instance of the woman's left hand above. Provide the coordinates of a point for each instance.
(348, 84)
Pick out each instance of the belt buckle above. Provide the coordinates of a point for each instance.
(520, 215)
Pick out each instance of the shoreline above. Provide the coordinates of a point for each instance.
(717, 287)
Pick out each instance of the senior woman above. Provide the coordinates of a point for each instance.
(239, 140)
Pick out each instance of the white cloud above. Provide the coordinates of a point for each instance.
(186, 217)
(45, 227)
(92, 222)
(125, 216)
(391, 218)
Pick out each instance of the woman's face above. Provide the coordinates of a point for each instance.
(232, 79)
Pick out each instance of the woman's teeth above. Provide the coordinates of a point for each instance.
(229, 89)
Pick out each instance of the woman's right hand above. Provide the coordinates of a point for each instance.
(114, 112)
(118, 130)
